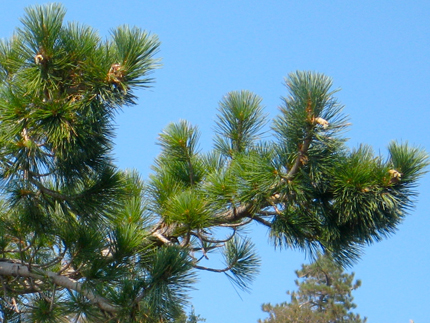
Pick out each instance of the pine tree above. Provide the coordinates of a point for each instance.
(191, 318)
(74, 232)
(323, 296)
(81, 240)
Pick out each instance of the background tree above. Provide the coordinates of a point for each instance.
(323, 296)
(191, 318)
(83, 241)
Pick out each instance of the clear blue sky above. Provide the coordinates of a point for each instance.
(378, 52)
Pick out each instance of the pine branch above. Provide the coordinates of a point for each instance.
(19, 270)
(300, 160)
(262, 221)
(213, 269)
(205, 239)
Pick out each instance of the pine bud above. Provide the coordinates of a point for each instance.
(395, 176)
(38, 59)
(324, 123)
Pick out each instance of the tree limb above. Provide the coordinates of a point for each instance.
(299, 160)
(18, 270)
(212, 269)
(262, 221)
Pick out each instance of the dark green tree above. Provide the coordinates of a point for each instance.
(324, 295)
(83, 241)
(191, 318)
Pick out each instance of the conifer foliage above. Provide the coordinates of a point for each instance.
(83, 241)
(324, 295)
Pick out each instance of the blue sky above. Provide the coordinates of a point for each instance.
(376, 51)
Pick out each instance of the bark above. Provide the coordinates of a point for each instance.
(9, 268)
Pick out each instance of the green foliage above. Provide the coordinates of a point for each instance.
(324, 295)
(241, 260)
(66, 210)
(192, 318)
(96, 244)
(240, 121)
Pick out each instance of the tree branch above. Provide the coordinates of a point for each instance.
(212, 269)
(205, 239)
(49, 192)
(299, 160)
(18, 270)
(161, 238)
(262, 221)
(234, 214)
